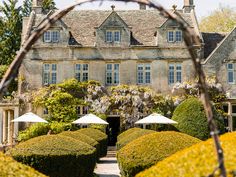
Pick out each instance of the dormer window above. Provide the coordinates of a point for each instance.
(113, 36)
(174, 36)
(51, 36)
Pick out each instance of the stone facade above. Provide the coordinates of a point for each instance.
(221, 64)
(135, 47)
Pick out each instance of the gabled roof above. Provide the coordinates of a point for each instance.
(144, 24)
(225, 43)
(113, 13)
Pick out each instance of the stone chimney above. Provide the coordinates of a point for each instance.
(37, 6)
(188, 6)
(142, 6)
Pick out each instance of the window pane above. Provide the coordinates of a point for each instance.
(178, 67)
(178, 36)
(116, 67)
(148, 67)
(116, 78)
(55, 36)
(54, 78)
(148, 77)
(178, 73)
(45, 78)
(85, 67)
(54, 67)
(85, 76)
(109, 66)
(171, 74)
(179, 77)
(77, 67)
(230, 76)
(109, 36)
(109, 78)
(140, 67)
(77, 76)
(46, 67)
(117, 36)
(230, 66)
(47, 36)
(140, 77)
(170, 36)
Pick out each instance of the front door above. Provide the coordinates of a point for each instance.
(113, 130)
(234, 122)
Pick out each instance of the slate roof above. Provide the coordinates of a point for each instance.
(211, 42)
(143, 23)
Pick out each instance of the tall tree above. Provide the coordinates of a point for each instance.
(221, 20)
(48, 5)
(26, 8)
(11, 31)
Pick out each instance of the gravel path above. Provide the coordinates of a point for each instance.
(107, 166)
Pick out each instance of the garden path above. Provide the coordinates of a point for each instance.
(107, 166)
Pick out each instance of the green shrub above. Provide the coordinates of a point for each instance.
(34, 130)
(82, 137)
(57, 156)
(99, 136)
(192, 120)
(128, 137)
(127, 133)
(147, 150)
(39, 129)
(9, 167)
(199, 160)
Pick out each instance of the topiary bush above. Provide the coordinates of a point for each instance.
(149, 149)
(192, 120)
(198, 160)
(9, 167)
(34, 130)
(127, 133)
(39, 129)
(99, 136)
(131, 135)
(82, 137)
(57, 156)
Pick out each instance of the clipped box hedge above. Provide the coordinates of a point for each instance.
(10, 167)
(198, 161)
(149, 149)
(99, 136)
(57, 156)
(192, 120)
(127, 133)
(82, 137)
(130, 135)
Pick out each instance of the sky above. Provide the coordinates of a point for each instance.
(203, 7)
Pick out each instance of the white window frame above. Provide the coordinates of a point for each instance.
(143, 72)
(174, 37)
(83, 72)
(49, 73)
(47, 36)
(51, 36)
(169, 37)
(231, 70)
(112, 37)
(180, 38)
(109, 38)
(175, 73)
(112, 74)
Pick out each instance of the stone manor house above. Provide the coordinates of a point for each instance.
(114, 47)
